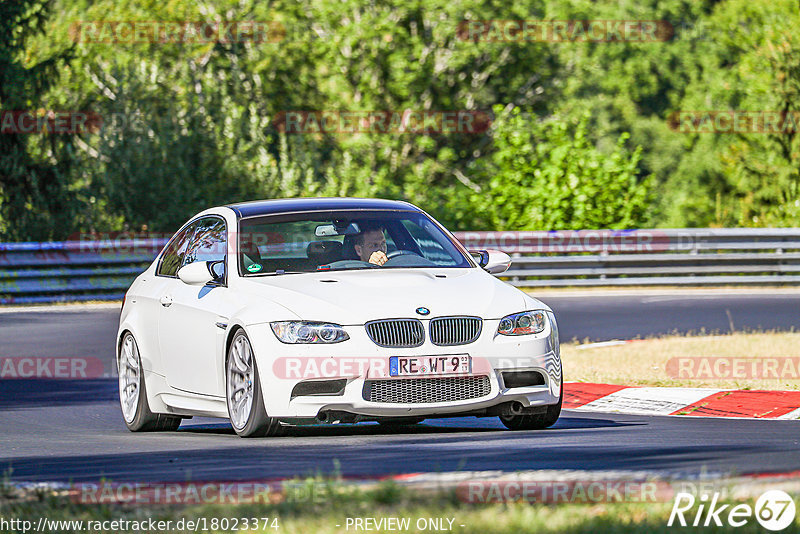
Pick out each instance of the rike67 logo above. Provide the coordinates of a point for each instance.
(774, 510)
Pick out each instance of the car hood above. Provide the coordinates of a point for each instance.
(355, 297)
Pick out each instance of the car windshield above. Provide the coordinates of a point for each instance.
(344, 240)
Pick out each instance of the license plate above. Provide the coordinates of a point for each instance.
(430, 365)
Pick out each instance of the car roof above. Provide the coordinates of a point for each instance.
(291, 205)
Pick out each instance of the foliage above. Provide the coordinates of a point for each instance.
(35, 198)
(580, 138)
(543, 176)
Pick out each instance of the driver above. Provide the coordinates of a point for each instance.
(370, 245)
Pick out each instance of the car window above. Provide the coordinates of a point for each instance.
(317, 241)
(289, 240)
(203, 240)
(430, 242)
(208, 242)
(172, 259)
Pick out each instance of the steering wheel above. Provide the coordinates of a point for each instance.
(396, 253)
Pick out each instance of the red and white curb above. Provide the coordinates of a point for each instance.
(696, 402)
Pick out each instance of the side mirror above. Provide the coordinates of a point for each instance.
(198, 273)
(492, 261)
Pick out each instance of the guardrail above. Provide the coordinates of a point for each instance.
(103, 270)
(747, 256)
(72, 270)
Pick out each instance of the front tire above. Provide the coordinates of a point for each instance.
(133, 392)
(535, 422)
(243, 392)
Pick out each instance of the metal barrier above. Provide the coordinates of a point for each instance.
(72, 270)
(103, 270)
(701, 257)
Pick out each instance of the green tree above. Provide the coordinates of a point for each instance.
(547, 175)
(751, 62)
(200, 116)
(36, 201)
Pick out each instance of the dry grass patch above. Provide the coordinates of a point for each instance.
(734, 361)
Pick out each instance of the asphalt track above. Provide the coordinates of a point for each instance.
(72, 430)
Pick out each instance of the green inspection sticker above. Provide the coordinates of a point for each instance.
(254, 268)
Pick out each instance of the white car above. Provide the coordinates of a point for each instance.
(309, 311)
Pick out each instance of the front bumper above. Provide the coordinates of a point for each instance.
(491, 354)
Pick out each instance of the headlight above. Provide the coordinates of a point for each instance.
(308, 332)
(518, 324)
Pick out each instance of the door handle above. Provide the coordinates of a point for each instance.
(166, 301)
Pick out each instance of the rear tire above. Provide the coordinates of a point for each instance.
(535, 422)
(243, 392)
(133, 393)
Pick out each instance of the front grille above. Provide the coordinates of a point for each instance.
(426, 390)
(396, 332)
(448, 331)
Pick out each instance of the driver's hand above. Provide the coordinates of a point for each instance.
(378, 258)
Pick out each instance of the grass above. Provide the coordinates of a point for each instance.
(336, 502)
(645, 362)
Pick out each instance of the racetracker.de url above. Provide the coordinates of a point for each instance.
(199, 524)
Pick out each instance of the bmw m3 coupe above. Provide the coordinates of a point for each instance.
(315, 311)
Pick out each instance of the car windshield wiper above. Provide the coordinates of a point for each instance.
(358, 268)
